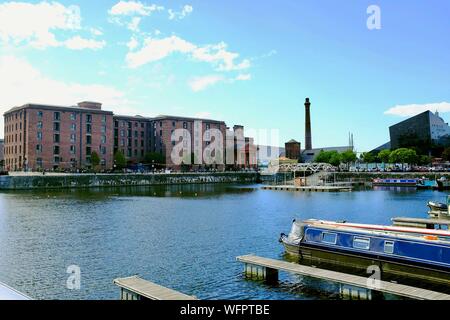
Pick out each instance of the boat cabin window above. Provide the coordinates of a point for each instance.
(361, 243)
(389, 247)
(329, 237)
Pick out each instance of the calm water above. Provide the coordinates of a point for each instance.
(183, 237)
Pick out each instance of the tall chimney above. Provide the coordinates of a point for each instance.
(308, 143)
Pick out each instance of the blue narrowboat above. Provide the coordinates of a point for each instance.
(401, 251)
(395, 182)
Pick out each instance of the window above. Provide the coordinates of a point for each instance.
(142, 125)
(40, 114)
(39, 147)
(142, 134)
(173, 123)
(73, 127)
(103, 118)
(207, 126)
(56, 159)
(73, 116)
(39, 135)
(103, 150)
(185, 125)
(56, 116)
(361, 243)
(389, 247)
(136, 133)
(88, 151)
(88, 118)
(88, 128)
(88, 139)
(39, 125)
(56, 126)
(55, 149)
(122, 133)
(103, 129)
(136, 124)
(39, 162)
(56, 138)
(72, 149)
(329, 237)
(103, 139)
(73, 138)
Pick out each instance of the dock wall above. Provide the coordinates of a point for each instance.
(114, 180)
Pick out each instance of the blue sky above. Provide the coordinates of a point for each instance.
(245, 62)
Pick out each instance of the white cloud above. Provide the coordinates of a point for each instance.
(134, 24)
(96, 32)
(413, 109)
(244, 77)
(185, 11)
(201, 83)
(157, 49)
(22, 83)
(132, 44)
(78, 43)
(34, 23)
(133, 8)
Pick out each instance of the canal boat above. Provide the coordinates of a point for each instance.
(437, 206)
(427, 184)
(395, 182)
(443, 183)
(419, 253)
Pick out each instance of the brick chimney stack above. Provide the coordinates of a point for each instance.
(308, 138)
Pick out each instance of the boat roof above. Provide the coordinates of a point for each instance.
(381, 228)
(8, 293)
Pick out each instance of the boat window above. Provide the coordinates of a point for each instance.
(329, 237)
(361, 243)
(389, 247)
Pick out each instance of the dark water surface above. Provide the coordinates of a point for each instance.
(184, 237)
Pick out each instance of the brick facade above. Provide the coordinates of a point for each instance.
(57, 137)
(51, 137)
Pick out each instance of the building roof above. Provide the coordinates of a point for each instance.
(169, 117)
(53, 107)
(292, 141)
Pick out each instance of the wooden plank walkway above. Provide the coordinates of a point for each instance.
(150, 290)
(418, 222)
(344, 278)
(308, 188)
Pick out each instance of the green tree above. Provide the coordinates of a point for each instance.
(403, 155)
(368, 157)
(119, 160)
(424, 160)
(95, 159)
(323, 157)
(348, 157)
(335, 158)
(446, 154)
(384, 155)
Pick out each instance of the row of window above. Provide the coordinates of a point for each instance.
(72, 150)
(73, 116)
(10, 127)
(362, 243)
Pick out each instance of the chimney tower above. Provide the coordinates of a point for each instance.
(308, 142)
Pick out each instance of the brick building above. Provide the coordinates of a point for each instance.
(196, 139)
(131, 137)
(56, 137)
(1, 154)
(49, 137)
(292, 149)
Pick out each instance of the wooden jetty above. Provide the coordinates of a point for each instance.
(267, 269)
(135, 288)
(308, 188)
(420, 223)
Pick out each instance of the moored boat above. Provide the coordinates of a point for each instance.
(443, 183)
(395, 182)
(437, 206)
(422, 254)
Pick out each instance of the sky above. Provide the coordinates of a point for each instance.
(245, 62)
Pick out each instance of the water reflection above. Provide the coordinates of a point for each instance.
(184, 236)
